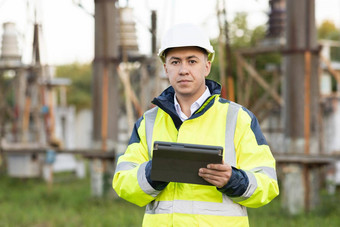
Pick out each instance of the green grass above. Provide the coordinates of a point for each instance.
(69, 203)
(326, 214)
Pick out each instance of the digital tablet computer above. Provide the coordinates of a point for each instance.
(180, 162)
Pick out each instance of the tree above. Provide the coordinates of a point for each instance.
(328, 30)
(241, 36)
(79, 92)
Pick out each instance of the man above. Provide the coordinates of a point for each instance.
(192, 111)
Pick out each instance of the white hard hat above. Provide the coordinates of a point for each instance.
(182, 35)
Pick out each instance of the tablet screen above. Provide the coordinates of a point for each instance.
(180, 162)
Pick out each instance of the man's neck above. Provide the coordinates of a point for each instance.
(185, 103)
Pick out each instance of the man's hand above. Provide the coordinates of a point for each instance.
(216, 174)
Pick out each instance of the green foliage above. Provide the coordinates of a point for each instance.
(215, 67)
(257, 35)
(241, 36)
(327, 30)
(239, 33)
(79, 93)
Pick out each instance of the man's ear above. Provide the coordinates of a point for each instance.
(207, 68)
(165, 69)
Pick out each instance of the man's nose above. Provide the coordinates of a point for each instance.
(183, 70)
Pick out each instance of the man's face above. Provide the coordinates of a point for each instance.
(186, 68)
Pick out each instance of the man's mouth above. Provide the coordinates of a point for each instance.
(184, 81)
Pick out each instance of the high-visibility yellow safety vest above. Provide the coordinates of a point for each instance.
(218, 122)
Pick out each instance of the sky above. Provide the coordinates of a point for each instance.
(68, 30)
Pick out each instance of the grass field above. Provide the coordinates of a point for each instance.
(69, 203)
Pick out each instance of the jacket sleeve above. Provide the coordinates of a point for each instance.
(256, 160)
(130, 181)
(237, 184)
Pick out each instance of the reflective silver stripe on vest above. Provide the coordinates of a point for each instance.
(150, 117)
(226, 208)
(143, 182)
(268, 171)
(125, 166)
(229, 153)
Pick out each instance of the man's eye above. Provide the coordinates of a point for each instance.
(174, 62)
(192, 61)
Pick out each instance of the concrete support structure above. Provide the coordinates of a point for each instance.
(105, 102)
(105, 77)
(301, 109)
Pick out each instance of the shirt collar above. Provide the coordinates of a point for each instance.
(195, 106)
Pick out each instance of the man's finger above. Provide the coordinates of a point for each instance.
(213, 172)
(220, 167)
